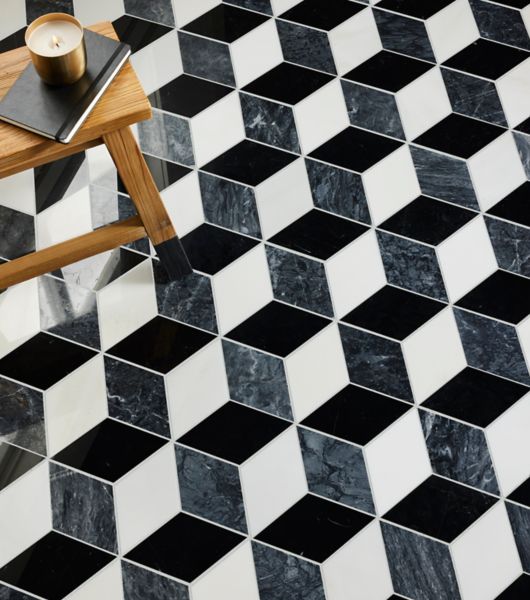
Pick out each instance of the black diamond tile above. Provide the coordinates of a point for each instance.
(14, 462)
(487, 59)
(15, 40)
(184, 547)
(459, 136)
(355, 149)
(356, 414)
(110, 450)
(502, 295)
(393, 312)
(420, 9)
(288, 83)
(515, 3)
(164, 173)
(249, 162)
(440, 508)
(322, 14)
(524, 126)
(515, 207)
(428, 220)
(319, 234)
(225, 23)
(161, 344)
(138, 33)
(522, 493)
(44, 360)
(388, 71)
(188, 96)
(314, 528)
(518, 590)
(54, 566)
(234, 432)
(211, 248)
(476, 397)
(52, 180)
(278, 328)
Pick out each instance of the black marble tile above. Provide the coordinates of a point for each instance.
(54, 566)
(522, 493)
(249, 162)
(520, 522)
(427, 220)
(164, 173)
(318, 234)
(415, 8)
(44, 360)
(225, 23)
(282, 575)
(164, 551)
(515, 206)
(486, 59)
(335, 470)
(141, 584)
(206, 58)
(519, 589)
(37, 8)
(234, 432)
(440, 508)
(188, 96)
(393, 312)
(314, 528)
(355, 149)
(459, 136)
(356, 414)
(138, 33)
(278, 329)
(288, 83)
(17, 233)
(110, 450)
(263, 6)
(161, 344)
(475, 397)
(210, 249)
(168, 137)
(320, 14)
(502, 295)
(388, 71)
(15, 40)
(159, 11)
(210, 488)
(500, 23)
(8, 593)
(55, 180)
(15, 462)
(511, 244)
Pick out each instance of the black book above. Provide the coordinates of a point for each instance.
(57, 112)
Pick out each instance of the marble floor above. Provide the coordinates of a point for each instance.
(335, 405)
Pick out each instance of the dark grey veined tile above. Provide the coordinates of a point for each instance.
(159, 11)
(210, 488)
(206, 58)
(305, 46)
(520, 521)
(511, 244)
(263, 6)
(500, 23)
(522, 142)
(7, 593)
(37, 8)
(167, 136)
(141, 584)
(17, 233)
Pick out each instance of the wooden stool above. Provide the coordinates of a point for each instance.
(122, 104)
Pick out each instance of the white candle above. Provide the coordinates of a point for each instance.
(55, 38)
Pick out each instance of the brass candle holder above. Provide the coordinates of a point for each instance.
(57, 48)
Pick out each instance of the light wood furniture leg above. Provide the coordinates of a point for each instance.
(143, 192)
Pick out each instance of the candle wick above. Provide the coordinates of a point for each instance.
(55, 42)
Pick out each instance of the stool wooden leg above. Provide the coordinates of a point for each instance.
(143, 192)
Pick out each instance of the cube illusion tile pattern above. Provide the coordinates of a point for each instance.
(335, 404)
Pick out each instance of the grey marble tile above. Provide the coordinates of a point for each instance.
(263, 6)
(491, 346)
(522, 142)
(299, 280)
(210, 488)
(372, 109)
(17, 233)
(444, 177)
(459, 452)
(375, 362)
(69, 310)
(411, 265)
(520, 521)
(257, 379)
(511, 244)
(206, 58)
(335, 470)
(7, 593)
(37, 8)
(141, 584)
(404, 35)
(189, 299)
(305, 46)
(474, 97)
(229, 204)
(159, 11)
(500, 23)
(286, 577)
(269, 122)
(83, 507)
(136, 396)
(421, 568)
(167, 136)
(22, 416)
(337, 191)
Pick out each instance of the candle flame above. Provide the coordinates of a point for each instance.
(55, 42)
